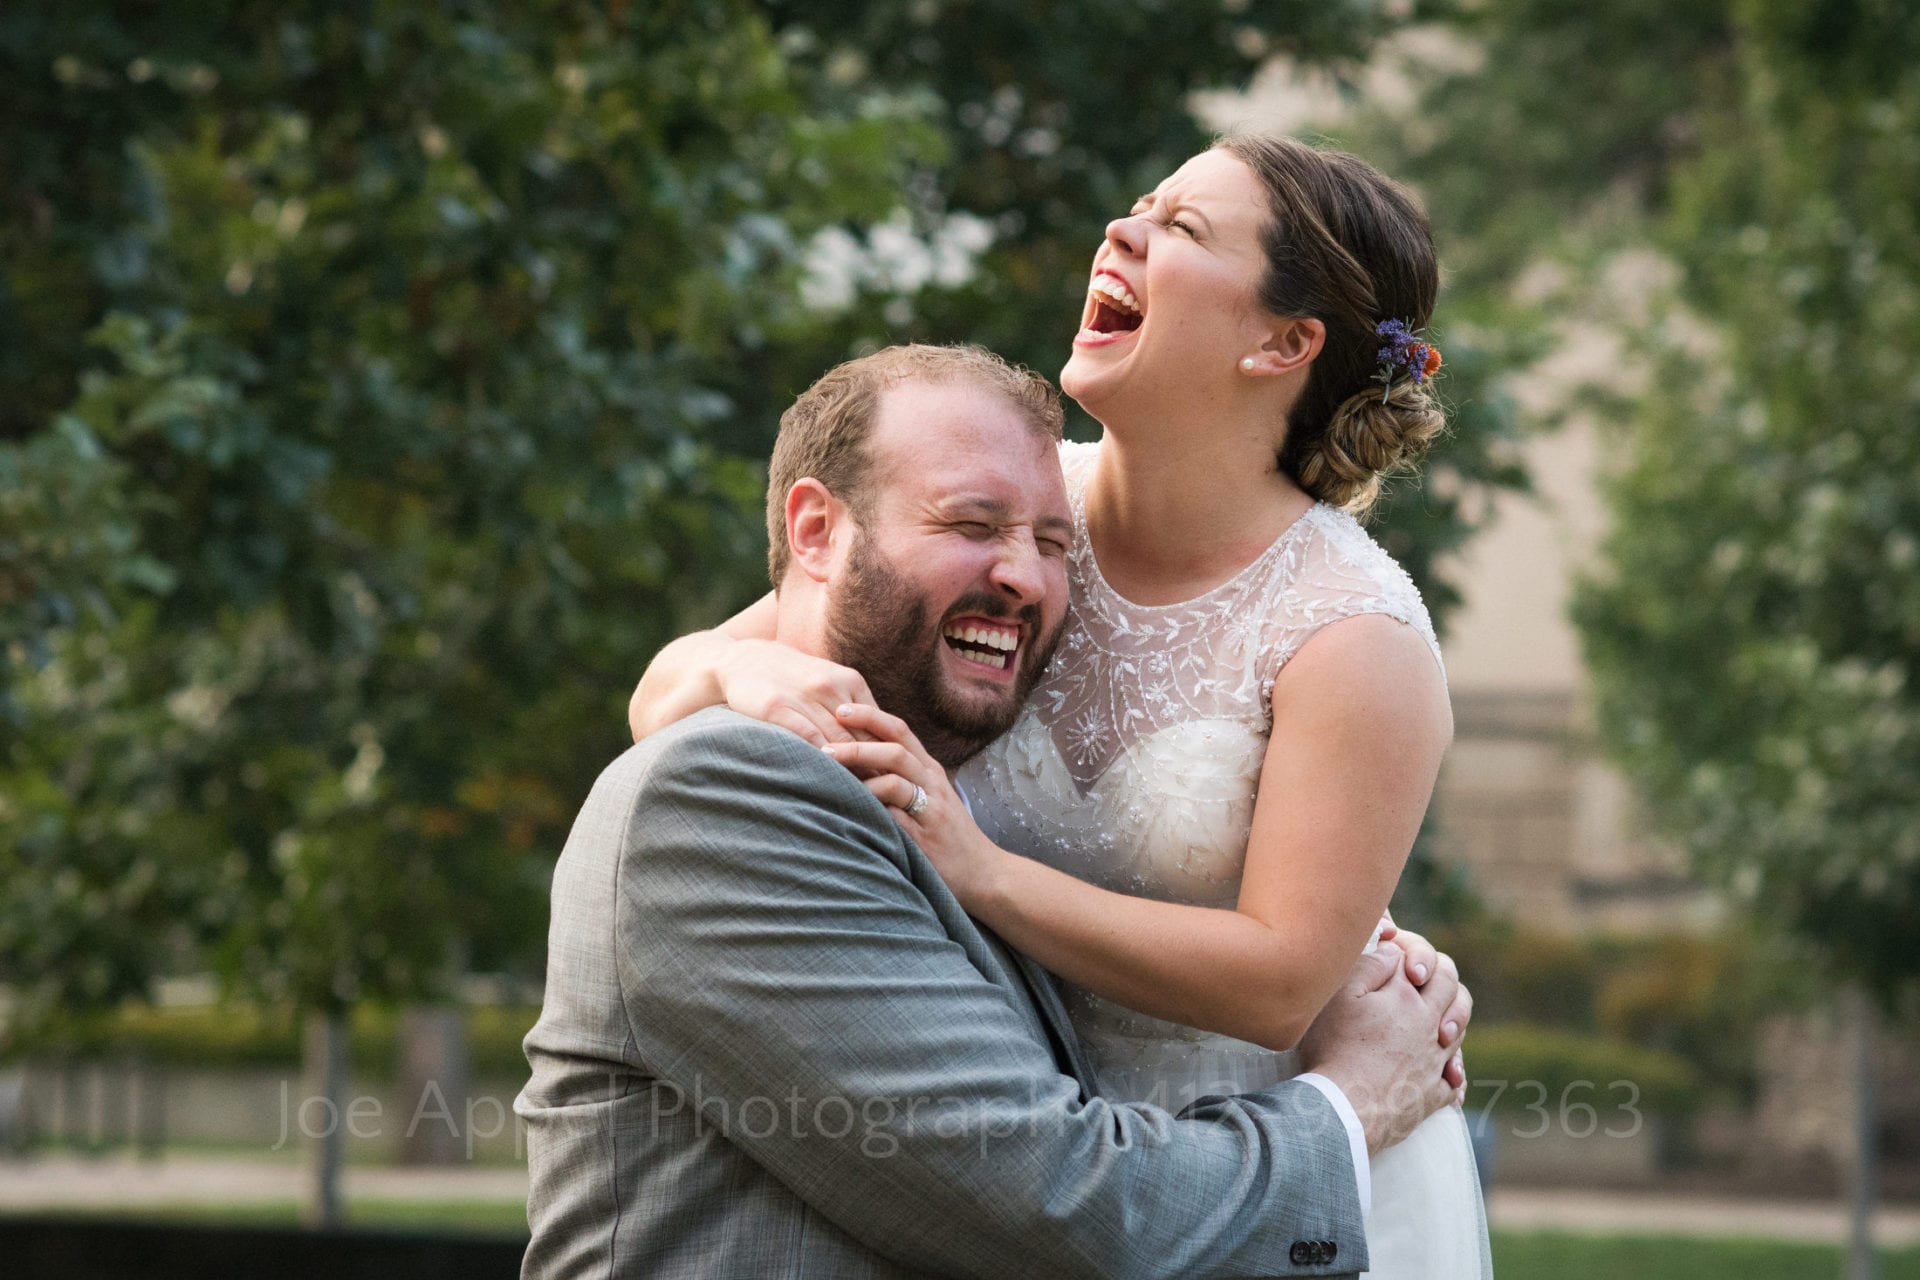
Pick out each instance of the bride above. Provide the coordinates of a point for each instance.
(1200, 815)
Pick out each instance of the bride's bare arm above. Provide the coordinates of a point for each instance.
(741, 664)
(1360, 721)
(682, 677)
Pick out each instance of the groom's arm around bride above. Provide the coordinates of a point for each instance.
(773, 1044)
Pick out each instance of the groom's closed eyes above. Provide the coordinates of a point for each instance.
(981, 516)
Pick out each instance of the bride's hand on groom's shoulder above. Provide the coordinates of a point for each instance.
(773, 682)
(914, 786)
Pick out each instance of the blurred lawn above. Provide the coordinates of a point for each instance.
(1552, 1255)
(461, 1217)
(1516, 1256)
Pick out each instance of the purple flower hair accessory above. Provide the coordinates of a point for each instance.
(1403, 352)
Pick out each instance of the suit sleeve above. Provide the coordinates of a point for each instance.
(780, 963)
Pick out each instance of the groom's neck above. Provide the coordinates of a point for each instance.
(801, 622)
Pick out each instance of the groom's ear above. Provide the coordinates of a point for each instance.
(818, 524)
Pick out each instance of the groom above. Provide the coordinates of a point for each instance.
(774, 1045)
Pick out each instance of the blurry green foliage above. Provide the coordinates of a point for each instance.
(246, 1037)
(1699, 997)
(371, 412)
(1755, 627)
(1725, 190)
(1575, 1071)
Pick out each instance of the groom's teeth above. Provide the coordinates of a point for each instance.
(994, 645)
(992, 637)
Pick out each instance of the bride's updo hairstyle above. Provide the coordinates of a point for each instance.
(1347, 246)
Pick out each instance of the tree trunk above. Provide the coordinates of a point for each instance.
(1862, 1264)
(323, 1113)
(433, 1085)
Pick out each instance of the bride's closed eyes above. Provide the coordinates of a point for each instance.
(1145, 204)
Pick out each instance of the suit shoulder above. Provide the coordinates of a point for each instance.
(729, 737)
(719, 748)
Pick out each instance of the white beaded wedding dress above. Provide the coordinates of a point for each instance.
(1134, 766)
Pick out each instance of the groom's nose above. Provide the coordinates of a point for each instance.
(1018, 573)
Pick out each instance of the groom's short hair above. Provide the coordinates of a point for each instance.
(824, 434)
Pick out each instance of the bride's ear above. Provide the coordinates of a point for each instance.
(818, 525)
(1290, 345)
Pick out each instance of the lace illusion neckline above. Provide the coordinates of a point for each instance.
(1096, 577)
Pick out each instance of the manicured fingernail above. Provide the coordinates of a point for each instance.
(1419, 973)
(845, 709)
(1451, 1031)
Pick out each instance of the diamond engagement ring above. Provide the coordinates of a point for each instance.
(918, 805)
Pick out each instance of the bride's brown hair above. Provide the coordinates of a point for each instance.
(1348, 246)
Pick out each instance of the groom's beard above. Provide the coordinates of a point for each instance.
(878, 624)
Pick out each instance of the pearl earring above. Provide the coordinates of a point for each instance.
(1246, 364)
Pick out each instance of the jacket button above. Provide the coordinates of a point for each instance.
(1333, 1251)
(1301, 1254)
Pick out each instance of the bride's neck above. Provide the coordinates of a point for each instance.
(1168, 520)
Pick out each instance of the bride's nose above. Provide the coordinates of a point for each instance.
(1128, 234)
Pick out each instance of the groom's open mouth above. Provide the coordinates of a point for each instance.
(989, 644)
(1112, 311)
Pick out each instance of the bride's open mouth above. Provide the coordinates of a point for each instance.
(1113, 313)
(989, 646)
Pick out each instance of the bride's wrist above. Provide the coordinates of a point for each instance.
(720, 665)
(992, 889)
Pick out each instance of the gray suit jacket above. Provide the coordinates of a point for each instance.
(774, 1045)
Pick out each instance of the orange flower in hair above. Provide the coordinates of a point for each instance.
(1403, 353)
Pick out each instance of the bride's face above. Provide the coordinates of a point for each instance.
(1171, 305)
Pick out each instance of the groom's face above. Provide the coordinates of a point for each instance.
(952, 594)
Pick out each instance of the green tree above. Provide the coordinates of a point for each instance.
(1751, 625)
(1756, 631)
(374, 426)
(1754, 627)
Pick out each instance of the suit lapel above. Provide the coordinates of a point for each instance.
(1014, 966)
(1046, 998)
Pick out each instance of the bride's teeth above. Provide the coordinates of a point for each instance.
(1110, 288)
